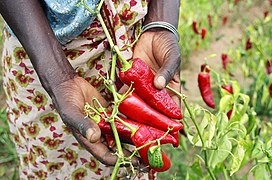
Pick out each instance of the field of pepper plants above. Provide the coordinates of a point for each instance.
(226, 94)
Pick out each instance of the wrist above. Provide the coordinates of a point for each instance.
(162, 10)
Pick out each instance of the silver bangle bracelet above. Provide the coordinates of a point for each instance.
(161, 24)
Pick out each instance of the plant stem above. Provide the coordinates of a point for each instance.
(183, 98)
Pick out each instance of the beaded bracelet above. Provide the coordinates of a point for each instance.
(161, 24)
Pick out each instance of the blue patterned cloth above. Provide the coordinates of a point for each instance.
(68, 18)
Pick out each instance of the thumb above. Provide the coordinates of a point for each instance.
(168, 69)
(85, 126)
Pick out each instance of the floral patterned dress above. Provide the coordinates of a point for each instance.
(45, 146)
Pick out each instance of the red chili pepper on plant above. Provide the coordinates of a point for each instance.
(203, 33)
(266, 14)
(194, 25)
(142, 77)
(228, 88)
(224, 58)
(270, 90)
(205, 88)
(248, 44)
(269, 67)
(225, 20)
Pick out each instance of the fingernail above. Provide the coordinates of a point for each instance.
(161, 81)
(92, 136)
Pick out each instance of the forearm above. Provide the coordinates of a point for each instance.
(163, 10)
(30, 25)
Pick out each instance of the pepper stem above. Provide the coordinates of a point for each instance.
(183, 97)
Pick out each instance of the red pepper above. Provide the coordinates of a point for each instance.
(248, 44)
(205, 68)
(270, 90)
(135, 108)
(269, 67)
(203, 33)
(126, 134)
(176, 136)
(195, 27)
(229, 113)
(266, 14)
(142, 77)
(236, 2)
(143, 136)
(224, 58)
(210, 20)
(225, 20)
(205, 88)
(228, 88)
(110, 140)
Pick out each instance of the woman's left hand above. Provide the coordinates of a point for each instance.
(160, 50)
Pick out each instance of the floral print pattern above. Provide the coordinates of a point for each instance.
(46, 147)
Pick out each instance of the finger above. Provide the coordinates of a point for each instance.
(99, 150)
(170, 66)
(74, 118)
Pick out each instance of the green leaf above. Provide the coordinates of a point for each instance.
(225, 102)
(222, 122)
(237, 159)
(212, 123)
(261, 172)
(219, 155)
(251, 122)
(197, 168)
(236, 89)
(257, 150)
(265, 95)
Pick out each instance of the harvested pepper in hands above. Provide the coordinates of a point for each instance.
(204, 85)
(126, 133)
(142, 77)
(142, 137)
(136, 109)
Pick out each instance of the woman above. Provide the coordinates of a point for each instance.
(51, 69)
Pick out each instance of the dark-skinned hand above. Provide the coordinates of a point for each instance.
(160, 50)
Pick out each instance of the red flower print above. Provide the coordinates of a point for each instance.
(69, 155)
(52, 166)
(22, 79)
(52, 143)
(79, 174)
(39, 100)
(40, 151)
(23, 108)
(33, 130)
(48, 119)
(41, 174)
(19, 54)
(72, 54)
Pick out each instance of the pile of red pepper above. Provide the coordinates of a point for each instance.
(150, 112)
